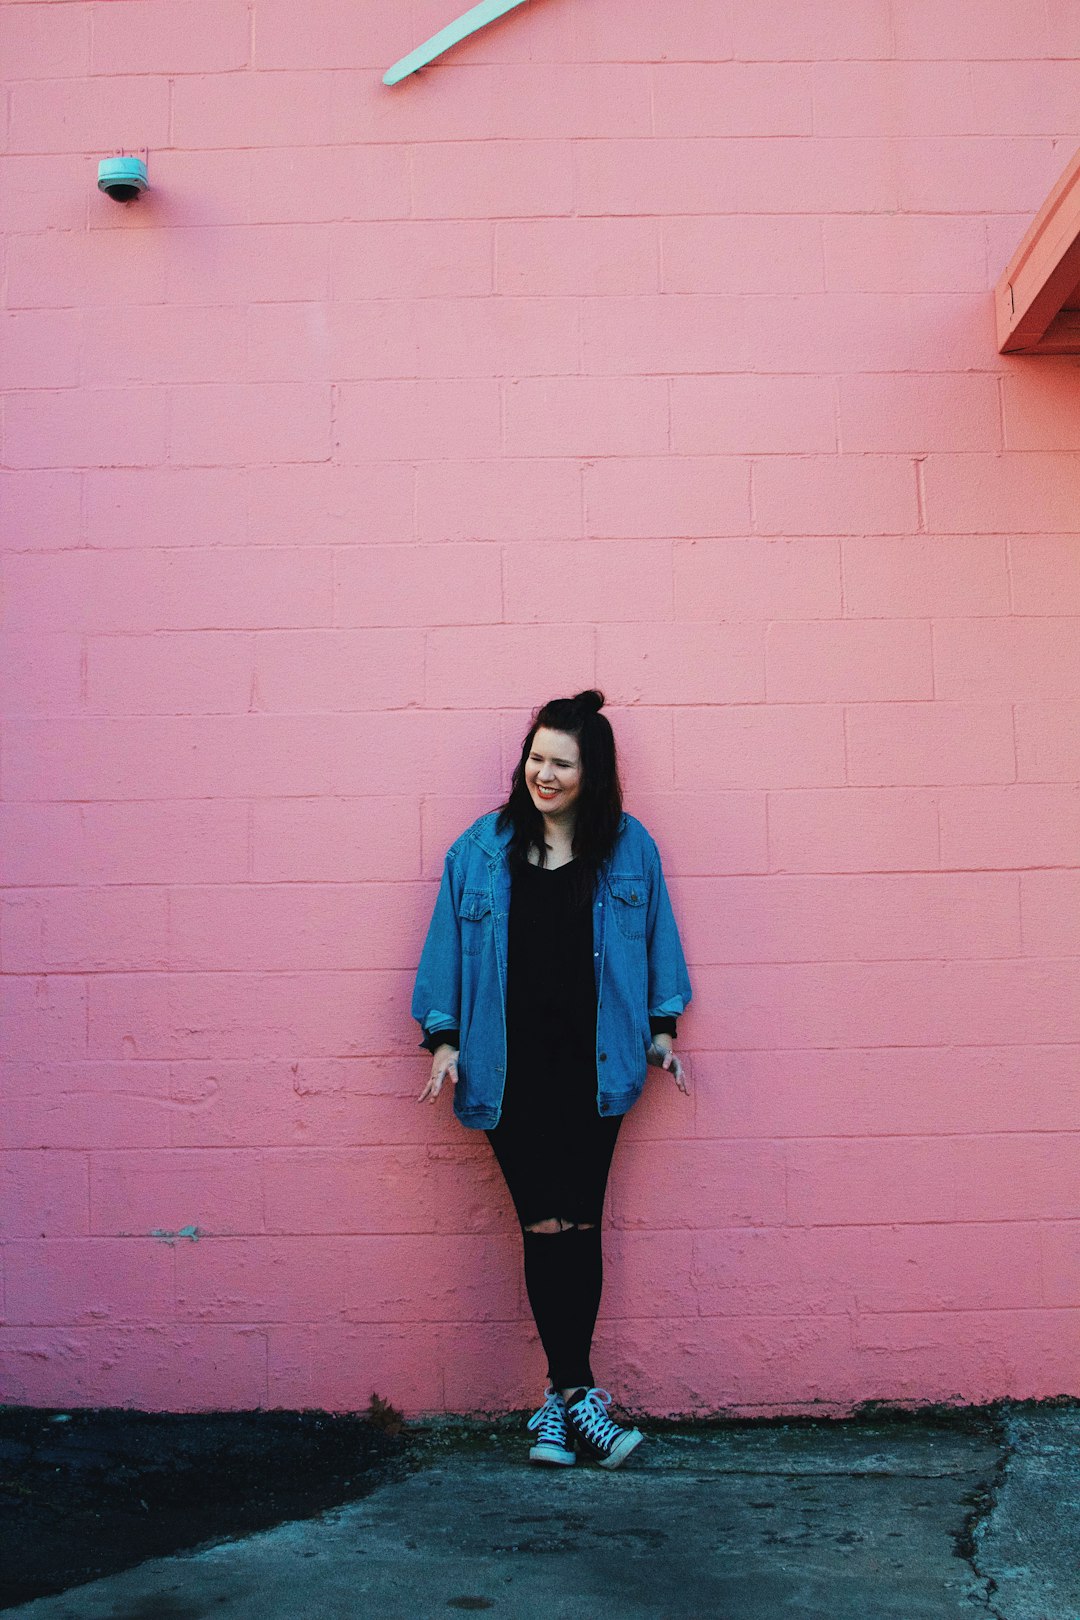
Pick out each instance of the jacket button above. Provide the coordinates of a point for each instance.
(603, 1057)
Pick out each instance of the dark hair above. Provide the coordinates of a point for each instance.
(599, 807)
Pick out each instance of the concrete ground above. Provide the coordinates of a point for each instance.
(919, 1520)
(1029, 1545)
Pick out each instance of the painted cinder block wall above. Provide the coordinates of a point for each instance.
(645, 345)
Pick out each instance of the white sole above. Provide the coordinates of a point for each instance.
(622, 1448)
(552, 1455)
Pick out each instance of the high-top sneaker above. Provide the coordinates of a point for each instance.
(588, 1422)
(552, 1442)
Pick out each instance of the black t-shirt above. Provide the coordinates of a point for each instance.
(551, 981)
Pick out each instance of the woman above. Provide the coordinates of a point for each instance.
(552, 974)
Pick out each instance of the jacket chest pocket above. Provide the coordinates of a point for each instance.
(628, 905)
(475, 917)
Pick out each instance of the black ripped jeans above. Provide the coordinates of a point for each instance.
(555, 1157)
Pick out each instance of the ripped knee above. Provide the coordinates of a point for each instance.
(550, 1227)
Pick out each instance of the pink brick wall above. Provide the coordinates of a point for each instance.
(645, 345)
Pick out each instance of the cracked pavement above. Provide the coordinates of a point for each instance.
(919, 1518)
(1027, 1547)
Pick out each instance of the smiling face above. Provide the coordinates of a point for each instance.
(553, 772)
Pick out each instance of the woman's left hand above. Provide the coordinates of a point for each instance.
(662, 1056)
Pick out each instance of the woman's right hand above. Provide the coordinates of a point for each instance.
(443, 1067)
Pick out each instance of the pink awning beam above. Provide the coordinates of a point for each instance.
(1037, 300)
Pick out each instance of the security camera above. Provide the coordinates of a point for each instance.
(122, 178)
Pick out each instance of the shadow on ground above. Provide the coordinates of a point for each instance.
(88, 1492)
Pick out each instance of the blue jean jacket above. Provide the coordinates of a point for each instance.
(461, 980)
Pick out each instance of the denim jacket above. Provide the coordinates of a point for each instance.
(461, 980)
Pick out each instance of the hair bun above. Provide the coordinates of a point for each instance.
(591, 700)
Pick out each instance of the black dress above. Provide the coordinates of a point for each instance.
(553, 1145)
